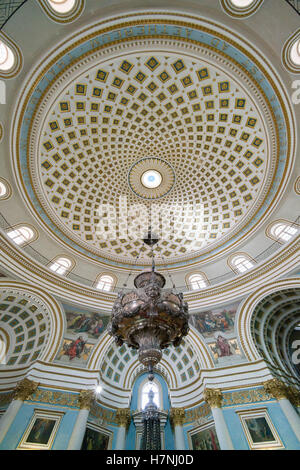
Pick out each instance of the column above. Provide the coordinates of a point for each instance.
(177, 416)
(86, 399)
(22, 392)
(277, 389)
(214, 398)
(123, 419)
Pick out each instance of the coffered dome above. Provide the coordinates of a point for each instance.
(187, 115)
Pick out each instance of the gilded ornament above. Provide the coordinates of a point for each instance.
(86, 399)
(177, 416)
(123, 417)
(213, 397)
(24, 389)
(293, 395)
(276, 388)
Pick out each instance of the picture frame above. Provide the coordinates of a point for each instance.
(259, 430)
(204, 437)
(96, 438)
(41, 431)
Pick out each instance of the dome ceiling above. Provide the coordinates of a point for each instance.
(193, 119)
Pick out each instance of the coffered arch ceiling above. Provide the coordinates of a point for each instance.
(100, 105)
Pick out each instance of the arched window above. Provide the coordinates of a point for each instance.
(145, 391)
(242, 3)
(5, 190)
(240, 8)
(197, 281)
(62, 6)
(241, 262)
(22, 235)
(295, 53)
(281, 231)
(61, 265)
(7, 58)
(63, 11)
(105, 282)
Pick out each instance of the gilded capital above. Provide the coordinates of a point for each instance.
(177, 416)
(24, 389)
(123, 416)
(86, 399)
(276, 388)
(293, 395)
(214, 397)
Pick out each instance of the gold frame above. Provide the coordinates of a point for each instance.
(259, 413)
(56, 416)
(196, 430)
(106, 432)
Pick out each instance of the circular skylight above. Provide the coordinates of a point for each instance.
(151, 179)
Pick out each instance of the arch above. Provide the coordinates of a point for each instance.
(291, 53)
(282, 231)
(196, 280)
(5, 189)
(246, 310)
(240, 262)
(22, 234)
(144, 387)
(240, 9)
(54, 323)
(11, 60)
(62, 11)
(106, 282)
(62, 265)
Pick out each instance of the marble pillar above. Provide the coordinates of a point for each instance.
(214, 398)
(22, 392)
(123, 419)
(177, 416)
(86, 399)
(283, 394)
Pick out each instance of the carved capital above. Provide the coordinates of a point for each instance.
(123, 417)
(293, 395)
(214, 397)
(86, 399)
(24, 389)
(276, 388)
(177, 416)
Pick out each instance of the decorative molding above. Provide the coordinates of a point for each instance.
(241, 397)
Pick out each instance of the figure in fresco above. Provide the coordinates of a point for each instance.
(211, 321)
(90, 323)
(75, 348)
(223, 347)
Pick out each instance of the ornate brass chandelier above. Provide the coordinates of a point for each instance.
(149, 318)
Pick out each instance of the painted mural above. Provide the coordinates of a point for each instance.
(77, 350)
(92, 324)
(216, 320)
(83, 331)
(205, 440)
(217, 328)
